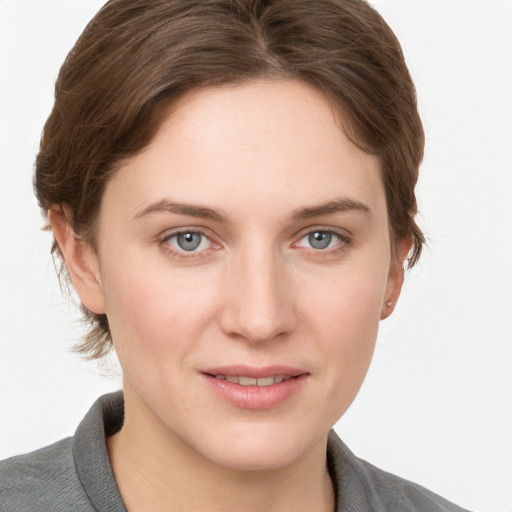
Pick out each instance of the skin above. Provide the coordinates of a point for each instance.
(255, 292)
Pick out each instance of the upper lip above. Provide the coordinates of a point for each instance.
(254, 372)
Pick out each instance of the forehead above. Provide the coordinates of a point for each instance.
(249, 145)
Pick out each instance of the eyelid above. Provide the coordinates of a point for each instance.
(346, 238)
(163, 241)
(186, 229)
(343, 233)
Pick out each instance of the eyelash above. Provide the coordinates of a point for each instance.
(344, 242)
(167, 246)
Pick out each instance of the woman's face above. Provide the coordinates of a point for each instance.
(244, 263)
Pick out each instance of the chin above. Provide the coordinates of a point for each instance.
(260, 448)
(248, 459)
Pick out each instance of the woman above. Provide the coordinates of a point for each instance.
(230, 185)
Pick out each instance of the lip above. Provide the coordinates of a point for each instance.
(256, 397)
(256, 373)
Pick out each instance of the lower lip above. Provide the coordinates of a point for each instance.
(256, 397)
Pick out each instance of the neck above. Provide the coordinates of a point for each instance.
(156, 469)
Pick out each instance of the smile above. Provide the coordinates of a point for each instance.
(251, 381)
(256, 388)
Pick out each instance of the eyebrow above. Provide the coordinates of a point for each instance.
(341, 205)
(336, 206)
(167, 206)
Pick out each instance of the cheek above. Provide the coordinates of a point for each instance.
(153, 312)
(346, 318)
(349, 304)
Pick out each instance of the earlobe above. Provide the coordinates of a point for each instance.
(81, 261)
(395, 277)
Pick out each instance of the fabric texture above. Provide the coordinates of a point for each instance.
(75, 475)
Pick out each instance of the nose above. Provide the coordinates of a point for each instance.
(259, 299)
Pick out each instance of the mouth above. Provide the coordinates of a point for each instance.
(253, 381)
(256, 388)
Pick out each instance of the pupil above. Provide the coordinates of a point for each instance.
(189, 241)
(320, 239)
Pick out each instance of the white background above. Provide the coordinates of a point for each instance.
(437, 404)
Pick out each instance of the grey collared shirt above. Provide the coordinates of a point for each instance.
(75, 475)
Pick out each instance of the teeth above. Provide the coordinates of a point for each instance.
(265, 381)
(251, 381)
(247, 381)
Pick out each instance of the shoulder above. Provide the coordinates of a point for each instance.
(54, 462)
(42, 479)
(396, 493)
(71, 475)
(378, 490)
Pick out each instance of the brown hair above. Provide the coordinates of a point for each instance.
(136, 55)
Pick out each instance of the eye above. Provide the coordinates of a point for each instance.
(321, 240)
(188, 241)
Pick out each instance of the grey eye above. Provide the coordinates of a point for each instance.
(320, 239)
(189, 241)
(185, 242)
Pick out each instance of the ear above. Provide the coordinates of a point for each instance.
(80, 259)
(395, 277)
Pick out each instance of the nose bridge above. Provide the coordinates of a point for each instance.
(260, 306)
